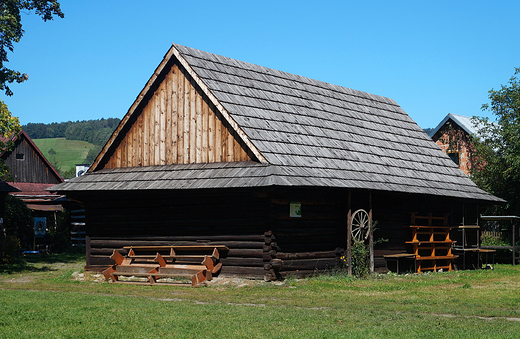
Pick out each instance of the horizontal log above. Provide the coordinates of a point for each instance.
(245, 253)
(315, 239)
(110, 230)
(312, 247)
(240, 253)
(101, 260)
(308, 264)
(306, 232)
(245, 272)
(246, 262)
(116, 243)
(196, 238)
(306, 255)
(106, 251)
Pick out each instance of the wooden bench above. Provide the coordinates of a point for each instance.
(198, 262)
(157, 270)
(197, 277)
(181, 253)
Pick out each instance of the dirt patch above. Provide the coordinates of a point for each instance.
(88, 276)
(217, 281)
(20, 280)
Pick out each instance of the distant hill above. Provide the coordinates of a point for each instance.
(96, 132)
(66, 144)
(65, 154)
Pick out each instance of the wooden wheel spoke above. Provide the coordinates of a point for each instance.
(360, 225)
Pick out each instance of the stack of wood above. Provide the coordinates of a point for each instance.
(157, 263)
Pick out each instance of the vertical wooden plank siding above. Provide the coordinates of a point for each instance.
(172, 107)
(211, 134)
(169, 117)
(162, 125)
(144, 133)
(187, 111)
(218, 137)
(177, 125)
(32, 168)
(198, 130)
(180, 114)
(205, 132)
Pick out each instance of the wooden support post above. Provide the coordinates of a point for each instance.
(87, 251)
(371, 234)
(349, 235)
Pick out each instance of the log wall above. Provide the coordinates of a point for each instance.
(177, 124)
(219, 218)
(264, 240)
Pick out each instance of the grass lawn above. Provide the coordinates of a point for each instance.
(68, 152)
(45, 299)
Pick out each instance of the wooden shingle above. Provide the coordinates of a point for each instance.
(299, 131)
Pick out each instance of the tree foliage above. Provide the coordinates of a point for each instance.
(496, 163)
(11, 32)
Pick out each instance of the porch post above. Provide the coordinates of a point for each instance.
(349, 235)
(371, 233)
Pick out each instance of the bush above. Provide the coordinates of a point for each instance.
(11, 250)
(19, 221)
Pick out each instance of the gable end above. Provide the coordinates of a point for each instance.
(175, 123)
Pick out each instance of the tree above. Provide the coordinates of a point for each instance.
(496, 163)
(10, 32)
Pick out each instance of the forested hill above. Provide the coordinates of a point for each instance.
(96, 132)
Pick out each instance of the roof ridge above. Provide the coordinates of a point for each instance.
(325, 85)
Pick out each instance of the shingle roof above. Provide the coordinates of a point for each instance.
(310, 133)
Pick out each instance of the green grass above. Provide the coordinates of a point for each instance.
(44, 300)
(68, 152)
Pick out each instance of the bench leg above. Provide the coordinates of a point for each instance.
(108, 272)
(198, 278)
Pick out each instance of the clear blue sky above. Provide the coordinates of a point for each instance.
(431, 57)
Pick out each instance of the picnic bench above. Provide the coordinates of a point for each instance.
(198, 263)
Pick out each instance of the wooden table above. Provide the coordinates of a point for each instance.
(399, 256)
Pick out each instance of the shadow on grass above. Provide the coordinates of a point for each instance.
(33, 263)
(53, 258)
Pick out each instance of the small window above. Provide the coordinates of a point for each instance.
(20, 156)
(455, 157)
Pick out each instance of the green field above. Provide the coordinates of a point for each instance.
(52, 298)
(69, 153)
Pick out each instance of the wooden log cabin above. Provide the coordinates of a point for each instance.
(271, 164)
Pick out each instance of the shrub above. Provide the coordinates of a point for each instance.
(11, 250)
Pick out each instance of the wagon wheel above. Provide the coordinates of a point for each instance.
(360, 225)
